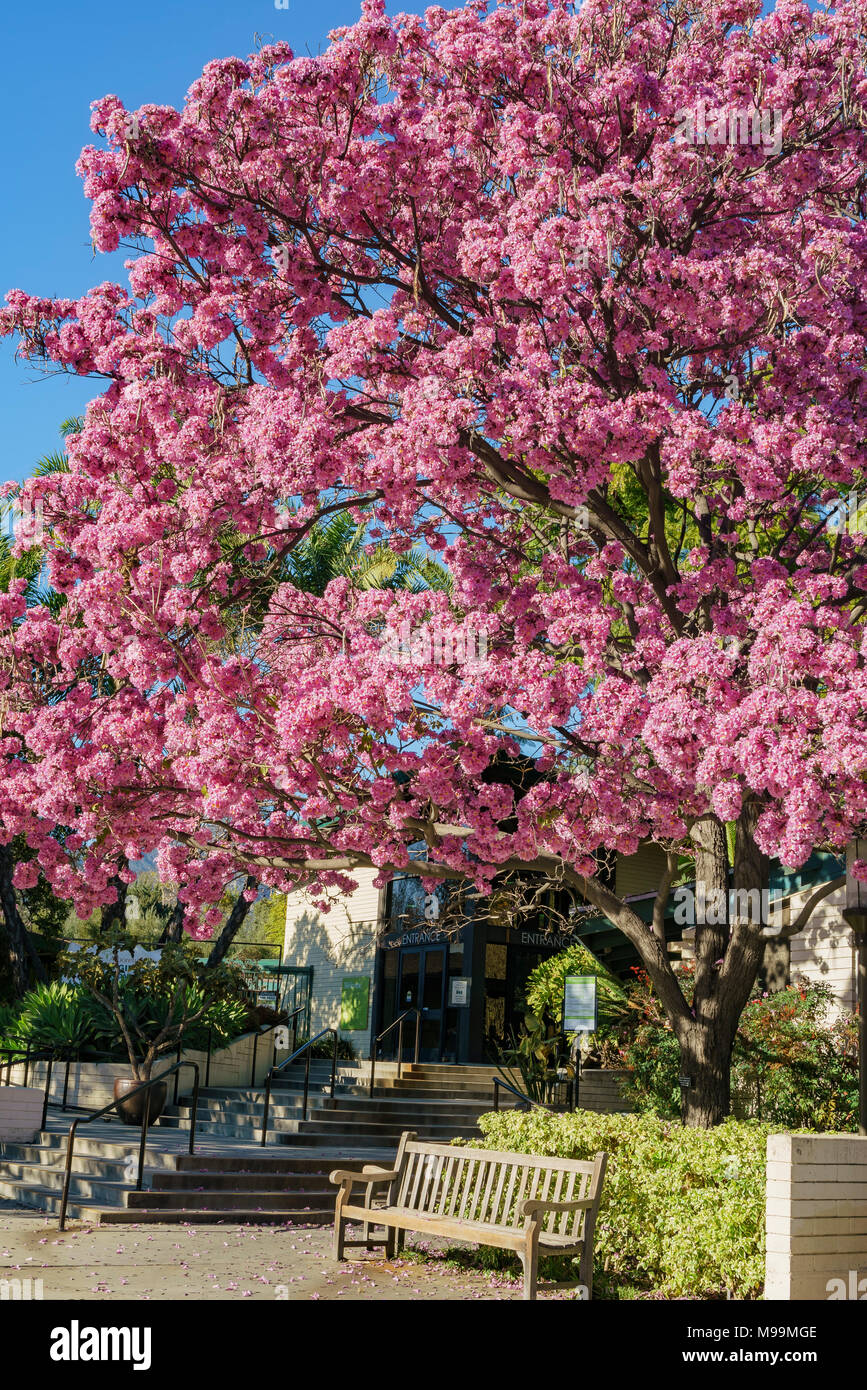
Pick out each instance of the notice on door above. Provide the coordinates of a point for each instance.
(579, 1004)
(459, 991)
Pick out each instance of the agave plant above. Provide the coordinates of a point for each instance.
(56, 1015)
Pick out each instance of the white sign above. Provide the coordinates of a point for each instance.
(579, 1004)
(459, 991)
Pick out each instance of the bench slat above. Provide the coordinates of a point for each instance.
(570, 1165)
(458, 1178)
(496, 1214)
(485, 1215)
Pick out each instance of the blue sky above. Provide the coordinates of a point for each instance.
(60, 58)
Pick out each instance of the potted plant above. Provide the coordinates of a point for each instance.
(149, 1001)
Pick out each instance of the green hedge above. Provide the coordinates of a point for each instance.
(682, 1211)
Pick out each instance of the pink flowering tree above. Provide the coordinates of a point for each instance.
(570, 297)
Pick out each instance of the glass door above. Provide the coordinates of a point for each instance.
(422, 986)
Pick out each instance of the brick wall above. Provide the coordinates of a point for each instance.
(816, 1217)
(337, 944)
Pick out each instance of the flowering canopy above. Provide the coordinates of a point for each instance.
(570, 295)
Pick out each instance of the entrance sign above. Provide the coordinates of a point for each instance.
(580, 1014)
(354, 998)
(459, 991)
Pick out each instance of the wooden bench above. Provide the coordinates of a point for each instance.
(517, 1202)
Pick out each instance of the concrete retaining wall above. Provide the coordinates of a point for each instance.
(91, 1084)
(20, 1114)
(601, 1091)
(816, 1217)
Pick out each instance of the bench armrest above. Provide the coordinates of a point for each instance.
(531, 1205)
(371, 1175)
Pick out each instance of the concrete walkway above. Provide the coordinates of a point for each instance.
(225, 1262)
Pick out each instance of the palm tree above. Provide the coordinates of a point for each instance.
(336, 548)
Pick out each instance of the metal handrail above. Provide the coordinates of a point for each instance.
(270, 1028)
(506, 1086)
(115, 1105)
(305, 1047)
(385, 1032)
(17, 1054)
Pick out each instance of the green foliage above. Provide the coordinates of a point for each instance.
(546, 985)
(55, 1015)
(266, 921)
(324, 1049)
(682, 1210)
(538, 1053)
(793, 1065)
(152, 1005)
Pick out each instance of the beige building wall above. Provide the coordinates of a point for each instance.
(825, 951)
(641, 872)
(337, 944)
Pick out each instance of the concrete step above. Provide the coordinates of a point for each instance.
(51, 1147)
(254, 1216)
(267, 1164)
(240, 1199)
(105, 1188)
(199, 1182)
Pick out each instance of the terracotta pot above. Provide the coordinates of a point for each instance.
(132, 1111)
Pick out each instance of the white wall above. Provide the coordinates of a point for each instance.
(825, 951)
(816, 1217)
(337, 944)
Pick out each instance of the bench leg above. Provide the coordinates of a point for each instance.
(585, 1269)
(530, 1261)
(399, 1240)
(339, 1228)
(391, 1238)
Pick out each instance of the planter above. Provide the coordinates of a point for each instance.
(132, 1111)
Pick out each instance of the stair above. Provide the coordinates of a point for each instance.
(231, 1178)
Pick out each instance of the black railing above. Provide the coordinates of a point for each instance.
(527, 1101)
(275, 1071)
(115, 1106)
(13, 1056)
(398, 1024)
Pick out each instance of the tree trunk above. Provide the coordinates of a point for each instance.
(233, 925)
(22, 953)
(705, 1059)
(728, 955)
(114, 915)
(173, 930)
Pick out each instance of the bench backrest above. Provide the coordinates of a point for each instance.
(486, 1186)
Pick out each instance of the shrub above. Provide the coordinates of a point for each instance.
(792, 1066)
(682, 1211)
(55, 1015)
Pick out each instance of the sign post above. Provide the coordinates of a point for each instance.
(580, 1013)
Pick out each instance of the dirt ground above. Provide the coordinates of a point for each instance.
(225, 1262)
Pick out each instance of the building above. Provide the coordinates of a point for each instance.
(379, 952)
